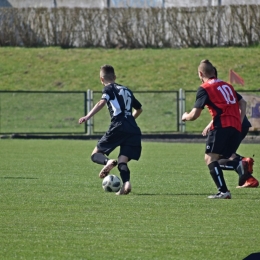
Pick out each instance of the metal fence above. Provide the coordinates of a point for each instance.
(53, 112)
(41, 112)
(46, 112)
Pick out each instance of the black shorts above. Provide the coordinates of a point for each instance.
(223, 141)
(130, 144)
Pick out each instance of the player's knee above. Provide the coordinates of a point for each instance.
(93, 156)
(99, 158)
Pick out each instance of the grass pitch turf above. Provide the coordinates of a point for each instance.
(53, 206)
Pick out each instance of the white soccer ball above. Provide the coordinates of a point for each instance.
(111, 183)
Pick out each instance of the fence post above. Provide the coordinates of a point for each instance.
(181, 109)
(89, 107)
(85, 109)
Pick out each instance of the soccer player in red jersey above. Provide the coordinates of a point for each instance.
(227, 114)
(242, 165)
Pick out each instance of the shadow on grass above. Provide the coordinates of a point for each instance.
(253, 256)
(235, 197)
(19, 178)
(171, 194)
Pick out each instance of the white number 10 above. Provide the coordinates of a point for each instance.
(227, 94)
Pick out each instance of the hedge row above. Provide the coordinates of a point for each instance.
(131, 27)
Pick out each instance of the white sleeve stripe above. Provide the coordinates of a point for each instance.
(105, 96)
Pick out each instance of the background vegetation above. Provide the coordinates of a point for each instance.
(131, 27)
(53, 206)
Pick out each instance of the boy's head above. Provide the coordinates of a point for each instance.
(206, 70)
(107, 74)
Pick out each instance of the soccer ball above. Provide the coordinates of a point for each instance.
(111, 183)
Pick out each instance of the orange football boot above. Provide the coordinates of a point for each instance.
(250, 163)
(251, 182)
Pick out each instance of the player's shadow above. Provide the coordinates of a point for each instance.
(253, 256)
(170, 194)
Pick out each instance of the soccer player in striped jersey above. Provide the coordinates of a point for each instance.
(227, 114)
(123, 131)
(242, 165)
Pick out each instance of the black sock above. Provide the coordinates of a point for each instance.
(217, 176)
(239, 157)
(124, 172)
(99, 158)
(227, 164)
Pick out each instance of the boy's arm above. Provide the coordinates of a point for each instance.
(137, 112)
(242, 107)
(93, 111)
(207, 128)
(193, 115)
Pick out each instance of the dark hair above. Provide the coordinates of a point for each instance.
(107, 69)
(107, 72)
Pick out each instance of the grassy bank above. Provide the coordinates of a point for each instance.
(141, 69)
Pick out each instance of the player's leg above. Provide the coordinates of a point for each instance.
(98, 157)
(130, 149)
(244, 168)
(246, 180)
(232, 162)
(109, 141)
(249, 161)
(215, 145)
(216, 173)
(236, 162)
(125, 175)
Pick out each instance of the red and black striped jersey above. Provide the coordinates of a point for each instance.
(222, 102)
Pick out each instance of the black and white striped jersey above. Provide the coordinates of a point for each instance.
(120, 102)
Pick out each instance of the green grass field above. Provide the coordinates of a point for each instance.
(53, 206)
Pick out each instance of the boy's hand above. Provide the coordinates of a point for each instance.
(184, 116)
(82, 120)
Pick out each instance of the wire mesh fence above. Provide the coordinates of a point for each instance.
(46, 112)
(160, 112)
(41, 112)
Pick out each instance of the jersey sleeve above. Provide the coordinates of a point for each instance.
(136, 104)
(107, 94)
(201, 98)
